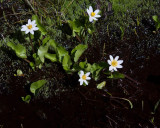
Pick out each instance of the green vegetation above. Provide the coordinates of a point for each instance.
(125, 13)
(70, 23)
(157, 21)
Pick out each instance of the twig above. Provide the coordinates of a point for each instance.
(130, 103)
(132, 79)
(104, 47)
(86, 97)
(111, 119)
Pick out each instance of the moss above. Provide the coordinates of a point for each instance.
(126, 16)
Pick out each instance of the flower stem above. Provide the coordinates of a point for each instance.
(31, 43)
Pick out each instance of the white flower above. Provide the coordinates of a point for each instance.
(84, 77)
(30, 27)
(92, 14)
(115, 63)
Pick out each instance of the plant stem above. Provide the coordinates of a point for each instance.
(31, 43)
(78, 38)
(27, 60)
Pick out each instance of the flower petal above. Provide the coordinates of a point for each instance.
(88, 73)
(115, 68)
(97, 16)
(33, 22)
(29, 21)
(109, 62)
(120, 61)
(88, 78)
(111, 57)
(94, 18)
(85, 82)
(24, 28)
(96, 11)
(35, 28)
(90, 9)
(81, 73)
(81, 82)
(90, 19)
(119, 66)
(32, 32)
(89, 13)
(110, 68)
(116, 58)
(27, 31)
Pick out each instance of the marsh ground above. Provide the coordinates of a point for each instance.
(63, 103)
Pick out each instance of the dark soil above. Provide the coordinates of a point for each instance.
(63, 103)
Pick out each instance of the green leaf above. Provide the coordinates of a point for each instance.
(45, 40)
(85, 66)
(76, 26)
(32, 65)
(19, 72)
(157, 26)
(76, 67)
(130, 103)
(61, 53)
(26, 98)
(39, 25)
(19, 49)
(91, 29)
(51, 57)
(38, 62)
(88, 67)
(101, 85)
(66, 62)
(49, 21)
(155, 18)
(116, 75)
(78, 51)
(104, 65)
(37, 85)
(156, 106)
(95, 70)
(42, 51)
(53, 44)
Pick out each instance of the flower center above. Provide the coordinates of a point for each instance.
(84, 77)
(93, 14)
(29, 26)
(114, 63)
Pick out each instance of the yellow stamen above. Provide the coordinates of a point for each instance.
(93, 14)
(114, 63)
(29, 26)
(84, 77)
